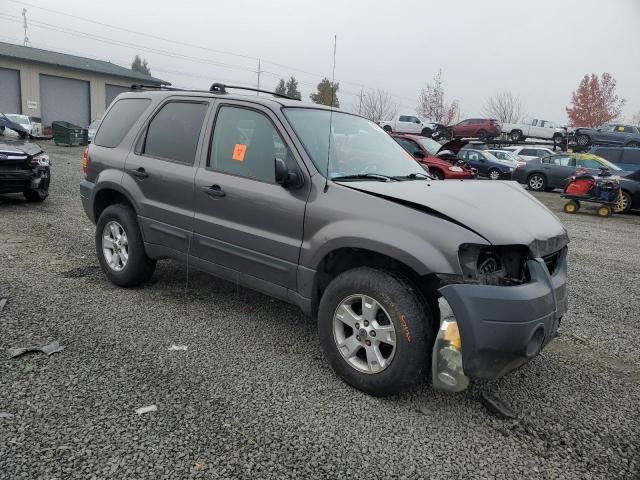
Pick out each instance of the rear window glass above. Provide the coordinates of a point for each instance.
(119, 121)
(175, 130)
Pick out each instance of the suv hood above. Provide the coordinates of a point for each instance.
(501, 212)
(8, 145)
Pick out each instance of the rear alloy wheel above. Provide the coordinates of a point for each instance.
(516, 135)
(495, 174)
(537, 182)
(120, 247)
(375, 331)
(624, 203)
(558, 139)
(583, 140)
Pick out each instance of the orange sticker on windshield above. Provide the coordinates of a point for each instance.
(238, 152)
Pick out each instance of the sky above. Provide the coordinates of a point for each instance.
(537, 50)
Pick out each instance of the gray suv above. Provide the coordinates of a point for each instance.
(408, 277)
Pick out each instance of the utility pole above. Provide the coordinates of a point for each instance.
(27, 43)
(259, 72)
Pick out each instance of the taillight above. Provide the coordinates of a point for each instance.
(85, 161)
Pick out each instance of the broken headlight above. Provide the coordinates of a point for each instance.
(494, 265)
(40, 160)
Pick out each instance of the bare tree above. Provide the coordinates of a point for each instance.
(377, 105)
(635, 118)
(505, 107)
(432, 105)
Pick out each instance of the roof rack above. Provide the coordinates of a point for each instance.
(215, 88)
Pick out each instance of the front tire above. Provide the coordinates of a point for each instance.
(120, 247)
(494, 174)
(375, 331)
(426, 132)
(387, 128)
(481, 135)
(437, 173)
(537, 182)
(516, 135)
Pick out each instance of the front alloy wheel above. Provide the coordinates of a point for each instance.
(115, 246)
(494, 174)
(364, 334)
(536, 182)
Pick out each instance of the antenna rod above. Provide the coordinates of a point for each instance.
(333, 94)
(27, 43)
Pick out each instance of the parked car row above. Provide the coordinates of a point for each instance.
(608, 134)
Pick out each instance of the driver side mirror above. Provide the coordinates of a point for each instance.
(288, 179)
(419, 154)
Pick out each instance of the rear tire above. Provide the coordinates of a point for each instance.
(137, 267)
(571, 207)
(481, 135)
(537, 182)
(393, 303)
(387, 129)
(604, 211)
(516, 135)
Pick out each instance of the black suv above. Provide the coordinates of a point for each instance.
(322, 209)
(24, 167)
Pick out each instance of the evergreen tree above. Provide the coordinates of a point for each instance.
(327, 93)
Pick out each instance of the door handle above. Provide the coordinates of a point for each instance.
(214, 191)
(139, 172)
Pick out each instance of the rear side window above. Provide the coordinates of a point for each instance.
(408, 145)
(529, 152)
(174, 131)
(119, 121)
(631, 156)
(403, 118)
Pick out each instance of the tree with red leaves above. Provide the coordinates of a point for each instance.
(594, 102)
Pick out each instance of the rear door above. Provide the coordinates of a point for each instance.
(160, 171)
(404, 124)
(244, 221)
(557, 169)
(461, 129)
(630, 159)
(477, 161)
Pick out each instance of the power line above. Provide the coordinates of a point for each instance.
(190, 45)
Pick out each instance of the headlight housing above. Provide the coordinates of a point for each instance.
(494, 265)
(40, 160)
(455, 169)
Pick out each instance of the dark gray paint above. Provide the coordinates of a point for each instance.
(10, 99)
(64, 99)
(273, 239)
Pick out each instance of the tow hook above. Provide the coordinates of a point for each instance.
(447, 372)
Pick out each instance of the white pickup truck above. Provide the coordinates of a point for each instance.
(542, 129)
(409, 124)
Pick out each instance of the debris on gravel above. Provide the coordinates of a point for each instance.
(49, 349)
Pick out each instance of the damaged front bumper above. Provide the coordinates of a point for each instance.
(487, 331)
(19, 180)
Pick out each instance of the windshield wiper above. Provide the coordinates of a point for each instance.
(366, 176)
(415, 176)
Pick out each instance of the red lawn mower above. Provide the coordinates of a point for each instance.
(603, 188)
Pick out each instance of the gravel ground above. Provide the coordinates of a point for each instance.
(252, 397)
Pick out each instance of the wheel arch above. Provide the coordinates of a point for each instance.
(109, 194)
(342, 259)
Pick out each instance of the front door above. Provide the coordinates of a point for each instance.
(244, 221)
(160, 172)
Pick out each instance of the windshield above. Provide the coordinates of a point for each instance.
(20, 119)
(608, 164)
(358, 146)
(504, 155)
(430, 145)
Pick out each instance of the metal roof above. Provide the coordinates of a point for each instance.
(19, 52)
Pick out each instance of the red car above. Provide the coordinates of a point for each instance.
(425, 151)
(482, 128)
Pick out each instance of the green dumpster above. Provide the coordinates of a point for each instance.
(65, 133)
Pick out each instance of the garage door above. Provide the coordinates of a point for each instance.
(64, 99)
(10, 91)
(112, 91)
